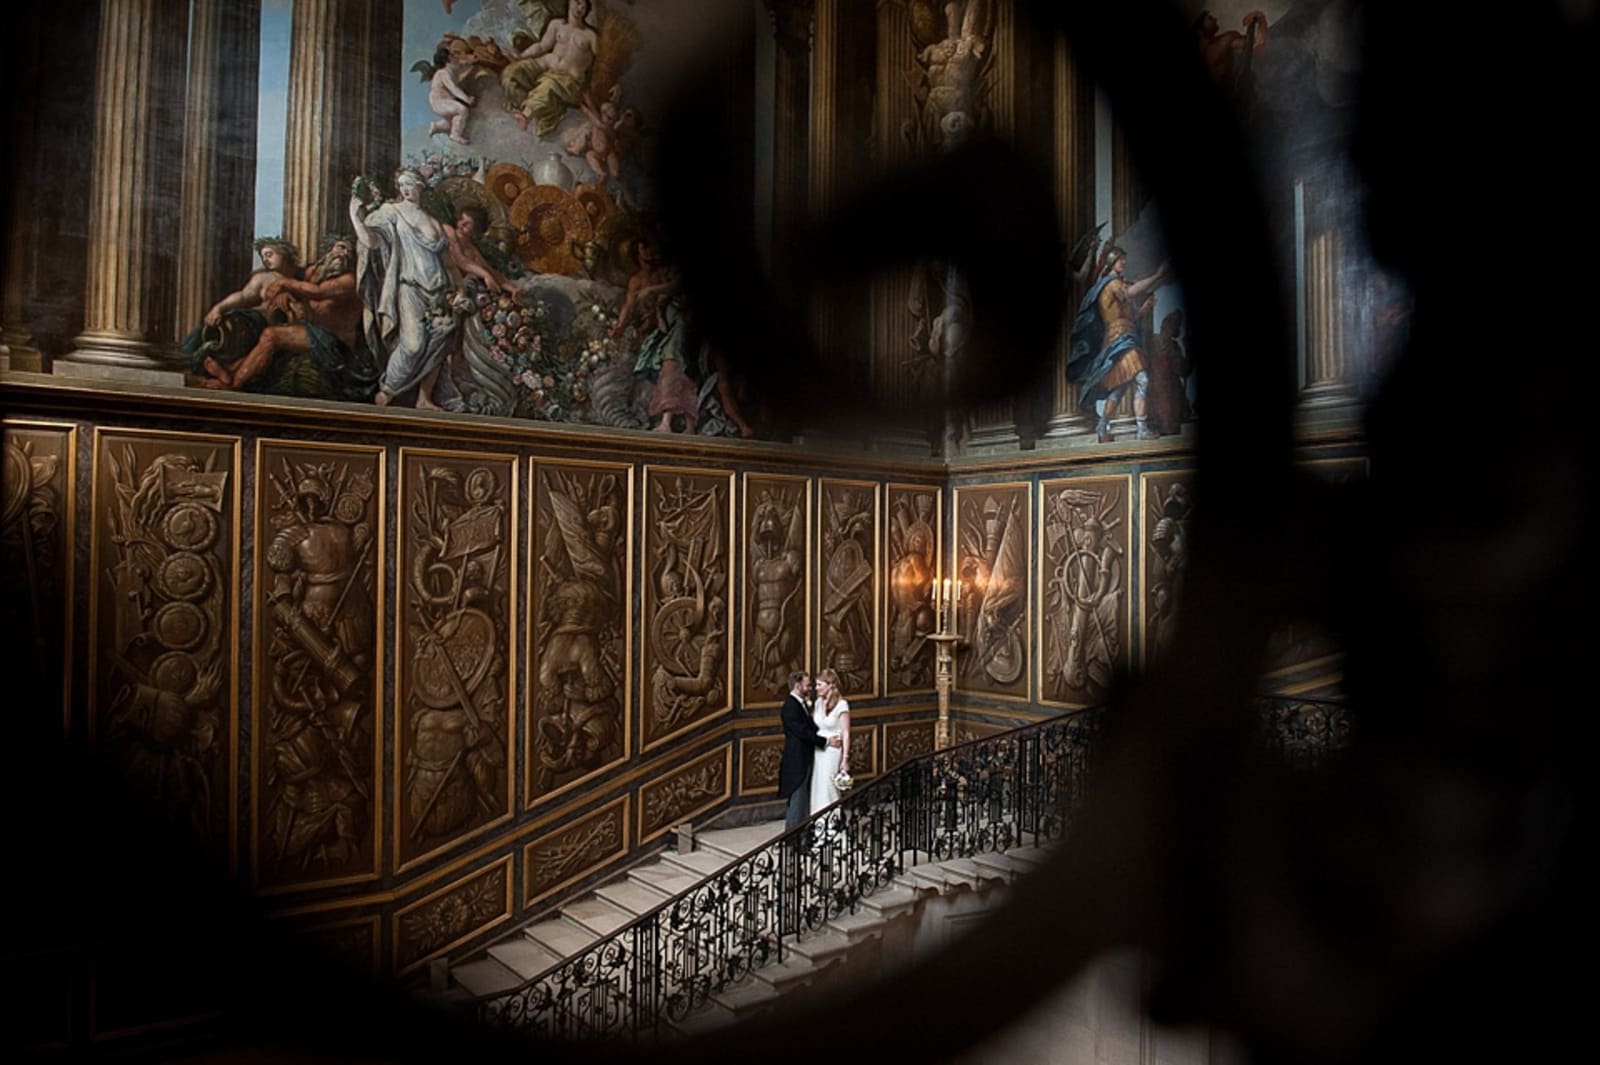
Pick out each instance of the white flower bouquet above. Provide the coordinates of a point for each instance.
(843, 780)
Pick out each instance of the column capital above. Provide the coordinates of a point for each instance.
(792, 22)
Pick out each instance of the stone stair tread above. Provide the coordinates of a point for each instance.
(524, 957)
(938, 878)
(561, 937)
(485, 977)
(667, 879)
(890, 902)
(597, 915)
(968, 868)
(632, 896)
(737, 842)
(858, 926)
(698, 864)
(745, 996)
(710, 1017)
(790, 972)
(1028, 855)
(821, 945)
(1002, 863)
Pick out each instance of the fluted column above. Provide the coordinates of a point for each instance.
(1072, 167)
(133, 194)
(1325, 362)
(19, 80)
(894, 113)
(219, 154)
(791, 121)
(325, 144)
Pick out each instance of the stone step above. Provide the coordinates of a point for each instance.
(746, 997)
(597, 915)
(792, 972)
(524, 957)
(969, 869)
(938, 877)
(1028, 855)
(698, 864)
(663, 877)
(631, 895)
(1003, 865)
(858, 926)
(821, 946)
(559, 936)
(710, 1017)
(485, 977)
(737, 842)
(890, 902)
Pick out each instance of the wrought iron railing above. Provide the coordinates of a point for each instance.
(988, 795)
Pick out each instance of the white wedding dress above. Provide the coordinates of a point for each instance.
(823, 793)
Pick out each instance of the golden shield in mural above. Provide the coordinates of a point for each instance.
(549, 221)
(507, 181)
(597, 203)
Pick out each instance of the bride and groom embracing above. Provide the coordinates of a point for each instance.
(816, 742)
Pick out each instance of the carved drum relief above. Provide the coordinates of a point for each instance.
(777, 549)
(37, 548)
(847, 582)
(915, 521)
(454, 731)
(1084, 611)
(1166, 504)
(688, 530)
(580, 621)
(318, 629)
(163, 645)
(992, 550)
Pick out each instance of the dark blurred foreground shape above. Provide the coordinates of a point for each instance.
(1422, 901)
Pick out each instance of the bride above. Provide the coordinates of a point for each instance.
(832, 715)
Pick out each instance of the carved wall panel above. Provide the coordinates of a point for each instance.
(967, 731)
(777, 595)
(914, 550)
(352, 945)
(1084, 611)
(759, 759)
(38, 493)
(575, 850)
(863, 751)
(1166, 503)
(164, 623)
(688, 533)
(847, 586)
(580, 623)
(906, 739)
(679, 794)
(452, 915)
(319, 609)
(455, 625)
(992, 563)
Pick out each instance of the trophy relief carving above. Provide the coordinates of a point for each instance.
(580, 634)
(687, 556)
(849, 561)
(992, 565)
(1169, 505)
(1085, 589)
(775, 640)
(457, 581)
(165, 633)
(913, 562)
(319, 585)
(33, 531)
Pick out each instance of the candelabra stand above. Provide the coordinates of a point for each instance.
(944, 642)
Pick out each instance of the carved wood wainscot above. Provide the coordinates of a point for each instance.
(759, 760)
(992, 553)
(1084, 611)
(847, 585)
(456, 913)
(319, 605)
(863, 751)
(1166, 502)
(906, 739)
(569, 854)
(914, 548)
(777, 595)
(580, 624)
(164, 624)
(38, 527)
(455, 624)
(687, 671)
(681, 793)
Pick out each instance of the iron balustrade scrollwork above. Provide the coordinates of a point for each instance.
(1015, 788)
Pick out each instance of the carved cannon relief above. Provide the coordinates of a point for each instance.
(1084, 611)
(847, 581)
(992, 550)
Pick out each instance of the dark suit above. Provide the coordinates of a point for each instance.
(801, 742)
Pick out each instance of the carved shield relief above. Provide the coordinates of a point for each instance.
(777, 550)
(37, 530)
(454, 732)
(688, 532)
(847, 585)
(319, 609)
(580, 623)
(914, 544)
(1084, 612)
(164, 623)
(1166, 504)
(992, 552)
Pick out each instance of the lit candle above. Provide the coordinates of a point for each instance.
(958, 592)
(947, 591)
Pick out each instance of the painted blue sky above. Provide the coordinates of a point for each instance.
(272, 116)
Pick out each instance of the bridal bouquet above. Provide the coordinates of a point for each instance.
(843, 780)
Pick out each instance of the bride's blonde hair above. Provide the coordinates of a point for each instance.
(833, 682)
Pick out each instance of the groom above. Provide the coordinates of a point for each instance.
(801, 742)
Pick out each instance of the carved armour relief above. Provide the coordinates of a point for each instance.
(847, 616)
(914, 523)
(992, 565)
(1168, 502)
(1083, 588)
(776, 544)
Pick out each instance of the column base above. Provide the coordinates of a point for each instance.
(1327, 394)
(117, 357)
(18, 353)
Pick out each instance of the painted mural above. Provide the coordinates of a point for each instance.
(512, 265)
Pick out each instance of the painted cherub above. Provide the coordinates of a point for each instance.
(600, 143)
(446, 96)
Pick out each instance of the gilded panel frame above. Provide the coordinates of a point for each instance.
(723, 751)
(892, 727)
(1125, 518)
(1022, 490)
(623, 802)
(820, 577)
(506, 912)
(746, 744)
(530, 693)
